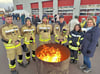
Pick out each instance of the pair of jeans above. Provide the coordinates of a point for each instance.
(87, 61)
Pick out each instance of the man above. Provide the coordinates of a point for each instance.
(28, 32)
(73, 22)
(37, 19)
(61, 31)
(23, 19)
(12, 42)
(98, 21)
(83, 22)
(44, 30)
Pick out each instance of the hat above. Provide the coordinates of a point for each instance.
(26, 19)
(44, 16)
(61, 16)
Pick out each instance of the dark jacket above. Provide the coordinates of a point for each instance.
(75, 37)
(90, 41)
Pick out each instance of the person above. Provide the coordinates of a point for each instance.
(37, 19)
(28, 32)
(61, 31)
(12, 41)
(75, 40)
(55, 18)
(23, 19)
(73, 22)
(3, 18)
(33, 19)
(89, 44)
(44, 31)
(98, 21)
(50, 19)
(83, 22)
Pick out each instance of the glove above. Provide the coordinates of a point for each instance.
(88, 51)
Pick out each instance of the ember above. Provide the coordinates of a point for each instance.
(49, 54)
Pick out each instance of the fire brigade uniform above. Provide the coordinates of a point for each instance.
(61, 33)
(28, 33)
(11, 34)
(75, 39)
(44, 31)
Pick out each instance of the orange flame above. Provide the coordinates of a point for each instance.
(49, 54)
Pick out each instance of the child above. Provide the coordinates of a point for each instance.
(75, 39)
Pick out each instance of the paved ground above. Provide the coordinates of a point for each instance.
(31, 69)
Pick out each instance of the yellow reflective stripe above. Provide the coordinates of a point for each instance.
(27, 42)
(25, 39)
(45, 40)
(19, 36)
(56, 41)
(82, 38)
(71, 57)
(66, 36)
(19, 61)
(76, 59)
(12, 66)
(33, 55)
(70, 36)
(8, 45)
(10, 40)
(27, 57)
(65, 41)
(13, 46)
(56, 35)
(73, 48)
(70, 41)
(78, 43)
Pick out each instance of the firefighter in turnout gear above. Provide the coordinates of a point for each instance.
(75, 39)
(12, 41)
(44, 31)
(28, 32)
(61, 31)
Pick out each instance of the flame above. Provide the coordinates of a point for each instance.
(49, 54)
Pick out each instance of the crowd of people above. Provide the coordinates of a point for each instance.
(70, 35)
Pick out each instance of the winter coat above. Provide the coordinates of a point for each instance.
(90, 41)
(72, 23)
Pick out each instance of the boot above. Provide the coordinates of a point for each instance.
(75, 62)
(28, 62)
(13, 71)
(71, 61)
(22, 65)
(33, 58)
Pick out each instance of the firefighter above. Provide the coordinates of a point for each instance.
(28, 32)
(12, 41)
(44, 31)
(75, 39)
(61, 31)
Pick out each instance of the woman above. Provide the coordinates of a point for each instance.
(89, 44)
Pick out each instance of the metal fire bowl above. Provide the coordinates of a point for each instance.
(65, 53)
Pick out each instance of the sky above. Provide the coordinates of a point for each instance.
(6, 3)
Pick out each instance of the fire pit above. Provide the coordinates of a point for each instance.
(52, 59)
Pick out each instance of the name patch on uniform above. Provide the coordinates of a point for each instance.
(12, 30)
(44, 27)
(28, 30)
(57, 27)
(76, 35)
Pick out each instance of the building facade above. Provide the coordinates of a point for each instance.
(69, 8)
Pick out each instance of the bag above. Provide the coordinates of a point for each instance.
(24, 47)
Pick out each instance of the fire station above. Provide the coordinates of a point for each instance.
(69, 8)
